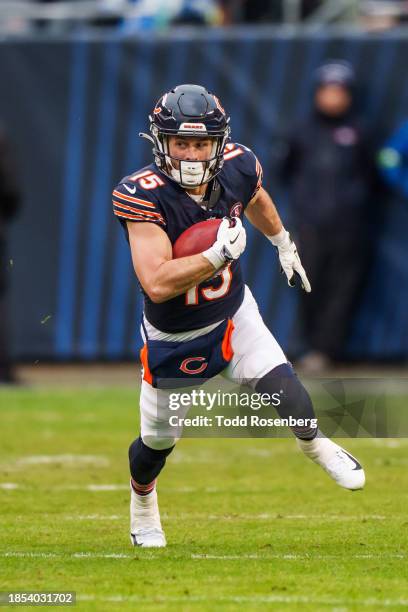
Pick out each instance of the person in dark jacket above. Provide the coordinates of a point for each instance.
(9, 205)
(329, 165)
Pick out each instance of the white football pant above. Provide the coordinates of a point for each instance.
(256, 352)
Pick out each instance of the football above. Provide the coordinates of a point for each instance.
(196, 239)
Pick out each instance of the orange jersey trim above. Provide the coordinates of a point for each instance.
(139, 217)
(127, 198)
(232, 154)
(226, 346)
(258, 168)
(137, 210)
(147, 375)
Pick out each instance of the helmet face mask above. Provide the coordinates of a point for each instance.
(189, 111)
(188, 172)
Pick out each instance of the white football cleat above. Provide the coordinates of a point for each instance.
(145, 527)
(338, 463)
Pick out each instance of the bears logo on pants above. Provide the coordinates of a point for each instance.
(184, 367)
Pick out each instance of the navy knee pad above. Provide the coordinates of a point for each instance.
(146, 463)
(294, 402)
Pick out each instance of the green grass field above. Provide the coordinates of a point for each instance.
(251, 524)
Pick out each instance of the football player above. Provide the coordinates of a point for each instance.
(199, 316)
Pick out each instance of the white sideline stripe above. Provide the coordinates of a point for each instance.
(220, 517)
(106, 487)
(199, 557)
(96, 488)
(9, 486)
(97, 460)
(95, 517)
(217, 517)
(232, 517)
(29, 555)
(77, 555)
(125, 487)
(266, 516)
(284, 599)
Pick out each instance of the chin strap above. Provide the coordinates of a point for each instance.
(214, 189)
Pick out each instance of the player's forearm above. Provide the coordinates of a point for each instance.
(263, 215)
(177, 276)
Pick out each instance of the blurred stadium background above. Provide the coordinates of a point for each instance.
(78, 81)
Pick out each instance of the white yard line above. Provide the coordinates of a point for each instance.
(97, 488)
(297, 517)
(67, 459)
(198, 557)
(233, 517)
(30, 555)
(94, 517)
(77, 555)
(194, 516)
(282, 599)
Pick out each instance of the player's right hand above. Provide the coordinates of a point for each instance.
(230, 243)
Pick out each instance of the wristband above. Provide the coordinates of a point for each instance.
(279, 239)
(214, 257)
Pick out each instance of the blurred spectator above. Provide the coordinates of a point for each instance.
(135, 15)
(329, 165)
(256, 11)
(383, 14)
(9, 204)
(393, 160)
(309, 6)
(198, 12)
(261, 10)
(159, 14)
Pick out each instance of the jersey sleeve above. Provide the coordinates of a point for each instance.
(134, 204)
(248, 165)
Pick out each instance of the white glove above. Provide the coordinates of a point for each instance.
(289, 259)
(230, 243)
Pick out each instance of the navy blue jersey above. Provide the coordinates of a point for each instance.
(149, 196)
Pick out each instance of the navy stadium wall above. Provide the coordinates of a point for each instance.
(74, 109)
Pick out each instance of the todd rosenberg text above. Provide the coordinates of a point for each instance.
(248, 420)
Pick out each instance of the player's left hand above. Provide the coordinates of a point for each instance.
(290, 260)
